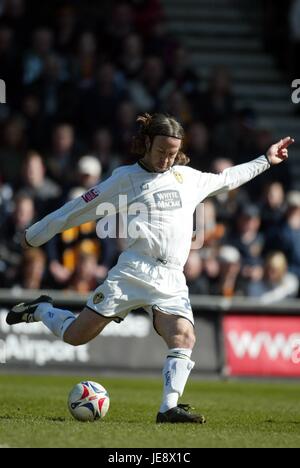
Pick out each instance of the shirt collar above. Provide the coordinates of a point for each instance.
(143, 166)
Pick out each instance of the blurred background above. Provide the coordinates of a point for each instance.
(78, 73)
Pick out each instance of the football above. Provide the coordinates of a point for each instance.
(88, 401)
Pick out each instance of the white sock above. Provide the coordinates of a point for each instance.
(57, 320)
(176, 371)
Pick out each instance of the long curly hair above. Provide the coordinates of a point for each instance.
(158, 125)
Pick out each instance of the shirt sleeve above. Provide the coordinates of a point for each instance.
(233, 177)
(78, 211)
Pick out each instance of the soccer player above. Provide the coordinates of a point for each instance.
(149, 273)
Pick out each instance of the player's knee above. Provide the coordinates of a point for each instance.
(191, 340)
(185, 340)
(74, 340)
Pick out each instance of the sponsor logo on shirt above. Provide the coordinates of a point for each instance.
(90, 195)
(168, 200)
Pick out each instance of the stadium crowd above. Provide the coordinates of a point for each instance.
(77, 77)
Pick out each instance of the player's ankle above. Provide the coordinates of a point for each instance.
(41, 309)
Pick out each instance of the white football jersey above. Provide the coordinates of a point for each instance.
(157, 208)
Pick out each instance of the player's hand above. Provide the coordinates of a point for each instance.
(279, 152)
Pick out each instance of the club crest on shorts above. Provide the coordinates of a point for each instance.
(99, 297)
(178, 177)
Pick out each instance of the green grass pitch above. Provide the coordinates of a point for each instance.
(33, 413)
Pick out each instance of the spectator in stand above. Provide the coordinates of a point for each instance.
(149, 91)
(277, 283)
(147, 14)
(246, 236)
(11, 234)
(84, 278)
(12, 149)
(56, 95)
(34, 62)
(227, 283)
(220, 164)
(286, 237)
(160, 42)
(6, 195)
(216, 105)
(118, 27)
(235, 138)
(66, 27)
(43, 190)
(63, 155)
(16, 15)
(193, 270)
(89, 172)
(32, 269)
(102, 149)
(131, 59)
(211, 266)
(213, 231)
(33, 114)
(198, 146)
(84, 64)
(227, 204)
(126, 124)
(177, 105)
(272, 206)
(184, 77)
(98, 105)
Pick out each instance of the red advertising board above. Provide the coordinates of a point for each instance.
(262, 345)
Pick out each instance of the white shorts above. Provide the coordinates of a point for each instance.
(141, 282)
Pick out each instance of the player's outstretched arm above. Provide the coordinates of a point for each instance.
(76, 212)
(71, 214)
(233, 177)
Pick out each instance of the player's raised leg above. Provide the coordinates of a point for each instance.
(178, 333)
(85, 328)
(62, 323)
